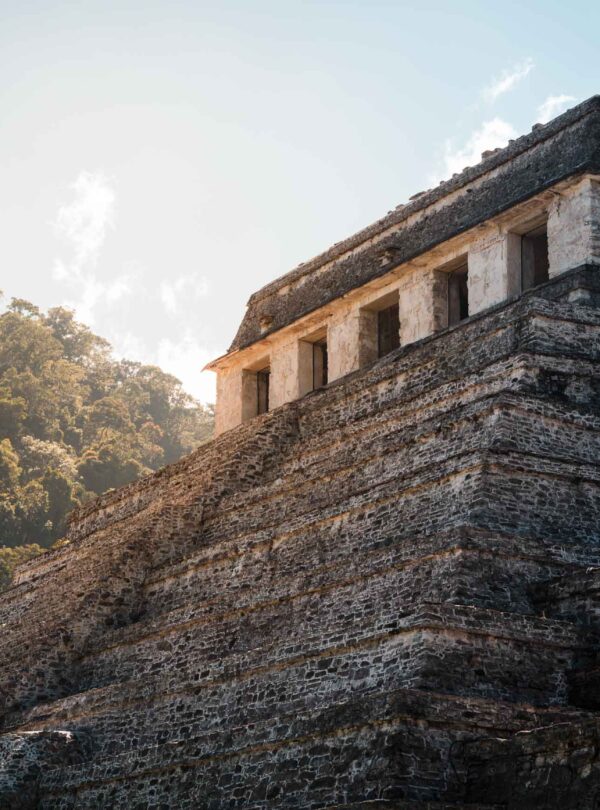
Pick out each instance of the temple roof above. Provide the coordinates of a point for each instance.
(566, 146)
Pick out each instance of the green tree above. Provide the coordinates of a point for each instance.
(10, 470)
(11, 557)
(62, 498)
(75, 422)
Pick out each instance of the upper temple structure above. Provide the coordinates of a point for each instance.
(378, 587)
(522, 216)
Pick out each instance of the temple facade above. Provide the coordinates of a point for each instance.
(523, 216)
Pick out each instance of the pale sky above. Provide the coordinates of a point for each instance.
(160, 161)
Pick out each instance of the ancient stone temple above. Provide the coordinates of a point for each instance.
(379, 585)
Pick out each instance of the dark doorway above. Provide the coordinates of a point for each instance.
(458, 295)
(262, 390)
(319, 364)
(388, 330)
(534, 258)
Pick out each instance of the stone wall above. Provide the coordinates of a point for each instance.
(333, 605)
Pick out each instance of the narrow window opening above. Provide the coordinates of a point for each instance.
(458, 295)
(534, 258)
(388, 330)
(319, 364)
(262, 390)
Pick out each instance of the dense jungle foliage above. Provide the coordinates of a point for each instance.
(75, 422)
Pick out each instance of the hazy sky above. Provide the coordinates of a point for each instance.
(159, 161)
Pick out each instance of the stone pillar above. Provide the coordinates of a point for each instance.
(351, 342)
(574, 228)
(237, 399)
(291, 372)
(228, 411)
(494, 270)
(423, 304)
(368, 338)
(304, 373)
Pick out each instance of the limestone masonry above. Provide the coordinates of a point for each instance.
(379, 586)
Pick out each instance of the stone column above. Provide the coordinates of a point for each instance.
(229, 411)
(423, 304)
(351, 342)
(494, 270)
(574, 228)
(291, 372)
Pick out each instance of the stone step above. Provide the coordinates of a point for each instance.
(141, 713)
(557, 766)
(438, 647)
(360, 488)
(313, 523)
(521, 422)
(231, 573)
(476, 567)
(571, 596)
(395, 588)
(394, 745)
(452, 568)
(425, 503)
(408, 441)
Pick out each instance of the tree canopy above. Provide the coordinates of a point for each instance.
(75, 422)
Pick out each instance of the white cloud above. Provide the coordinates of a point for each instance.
(508, 79)
(184, 358)
(171, 292)
(83, 222)
(552, 107)
(129, 346)
(60, 271)
(90, 293)
(490, 135)
(168, 297)
(119, 288)
(83, 225)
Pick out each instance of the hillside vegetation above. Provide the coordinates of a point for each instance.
(75, 422)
